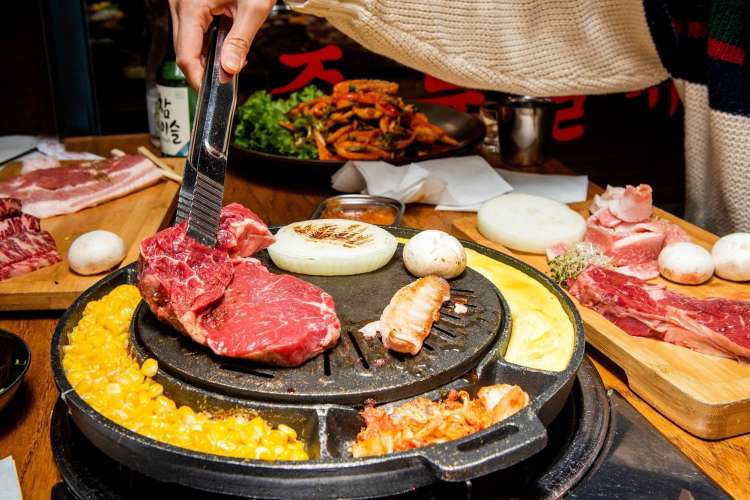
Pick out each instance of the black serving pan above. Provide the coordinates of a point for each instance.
(468, 130)
(328, 429)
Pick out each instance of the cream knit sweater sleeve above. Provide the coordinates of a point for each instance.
(530, 47)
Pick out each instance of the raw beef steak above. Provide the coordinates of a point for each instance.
(179, 278)
(231, 303)
(241, 232)
(24, 247)
(719, 327)
(270, 318)
(20, 224)
(24, 252)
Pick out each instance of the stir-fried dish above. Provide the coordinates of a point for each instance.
(360, 120)
(421, 422)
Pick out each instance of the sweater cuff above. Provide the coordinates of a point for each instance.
(327, 8)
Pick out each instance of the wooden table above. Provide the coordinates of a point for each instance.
(24, 427)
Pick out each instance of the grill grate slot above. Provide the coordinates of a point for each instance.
(327, 363)
(396, 355)
(237, 367)
(362, 358)
(428, 346)
(443, 331)
(452, 316)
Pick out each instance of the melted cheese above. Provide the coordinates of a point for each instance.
(542, 335)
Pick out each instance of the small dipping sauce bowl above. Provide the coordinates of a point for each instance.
(379, 210)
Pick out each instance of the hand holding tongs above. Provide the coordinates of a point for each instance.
(202, 191)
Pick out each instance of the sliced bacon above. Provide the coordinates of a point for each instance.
(63, 190)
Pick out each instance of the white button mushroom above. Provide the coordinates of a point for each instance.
(686, 263)
(732, 257)
(434, 253)
(95, 252)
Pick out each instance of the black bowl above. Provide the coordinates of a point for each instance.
(468, 130)
(15, 358)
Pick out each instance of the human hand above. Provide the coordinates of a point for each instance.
(191, 20)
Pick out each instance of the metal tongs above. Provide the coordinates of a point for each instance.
(202, 191)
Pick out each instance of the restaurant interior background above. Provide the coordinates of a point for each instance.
(617, 416)
(85, 73)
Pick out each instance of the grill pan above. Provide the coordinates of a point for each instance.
(328, 420)
(356, 369)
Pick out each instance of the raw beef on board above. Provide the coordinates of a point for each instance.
(24, 247)
(64, 190)
(230, 302)
(719, 327)
(622, 224)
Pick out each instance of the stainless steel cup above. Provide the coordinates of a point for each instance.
(524, 127)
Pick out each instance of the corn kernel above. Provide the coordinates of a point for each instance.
(99, 365)
(155, 390)
(150, 367)
(291, 433)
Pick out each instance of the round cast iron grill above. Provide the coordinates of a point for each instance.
(329, 429)
(356, 368)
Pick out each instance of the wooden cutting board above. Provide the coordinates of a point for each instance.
(705, 395)
(132, 217)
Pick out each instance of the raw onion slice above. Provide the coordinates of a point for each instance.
(332, 247)
(529, 223)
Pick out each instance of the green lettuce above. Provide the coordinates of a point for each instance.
(258, 124)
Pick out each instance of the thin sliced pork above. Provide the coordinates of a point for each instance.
(623, 226)
(64, 190)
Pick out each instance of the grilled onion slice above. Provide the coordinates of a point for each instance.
(332, 247)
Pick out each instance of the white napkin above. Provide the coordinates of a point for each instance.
(10, 489)
(56, 149)
(563, 188)
(11, 146)
(460, 184)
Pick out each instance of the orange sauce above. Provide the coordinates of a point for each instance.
(363, 213)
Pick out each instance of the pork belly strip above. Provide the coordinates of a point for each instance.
(719, 327)
(63, 190)
(407, 319)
